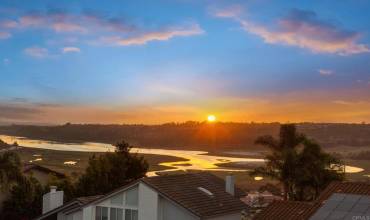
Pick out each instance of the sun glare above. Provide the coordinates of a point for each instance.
(211, 118)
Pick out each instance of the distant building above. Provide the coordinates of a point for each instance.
(260, 199)
(192, 196)
(41, 173)
(339, 200)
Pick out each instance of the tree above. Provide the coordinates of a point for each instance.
(10, 170)
(103, 174)
(111, 170)
(24, 194)
(280, 164)
(25, 200)
(315, 170)
(298, 163)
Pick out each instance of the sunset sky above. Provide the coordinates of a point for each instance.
(115, 61)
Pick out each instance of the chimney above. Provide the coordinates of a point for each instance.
(230, 184)
(52, 200)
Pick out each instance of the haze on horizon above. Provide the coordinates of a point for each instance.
(162, 61)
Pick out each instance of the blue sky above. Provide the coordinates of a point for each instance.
(159, 61)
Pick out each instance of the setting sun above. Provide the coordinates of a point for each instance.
(211, 118)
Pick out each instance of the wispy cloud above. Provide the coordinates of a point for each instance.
(303, 29)
(17, 112)
(351, 103)
(325, 72)
(8, 24)
(110, 30)
(232, 11)
(68, 27)
(154, 36)
(77, 23)
(4, 35)
(342, 102)
(71, 50)
(6, 61)
(37, 52)
(59, 22)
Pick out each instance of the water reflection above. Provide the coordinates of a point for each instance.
(258, 178)
(192, 160)
(52, 145)
(70, 162)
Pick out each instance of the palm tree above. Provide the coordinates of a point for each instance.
(298, 163)
(280, 164)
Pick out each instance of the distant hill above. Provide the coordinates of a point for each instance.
(192, 135)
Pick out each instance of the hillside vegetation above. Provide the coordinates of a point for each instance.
(192, 135)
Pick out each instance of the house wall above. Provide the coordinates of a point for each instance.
(150, 206)
(235, 216)
(168, 210)
(148, 203)
(74, 216)
(78, 215)
(117, 200)
(61, 216)
(87, 213)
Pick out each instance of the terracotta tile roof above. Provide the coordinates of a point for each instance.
(283, 210)
(184, 190)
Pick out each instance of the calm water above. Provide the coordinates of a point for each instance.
(194, 160)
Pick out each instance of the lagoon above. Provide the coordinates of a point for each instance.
(193, 160)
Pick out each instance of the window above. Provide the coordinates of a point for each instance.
(98, 213)
(104, 213)
(131, 214)
(132, 197)
(101, 213)
(116, 214)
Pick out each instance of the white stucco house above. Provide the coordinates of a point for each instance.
(191, 196)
